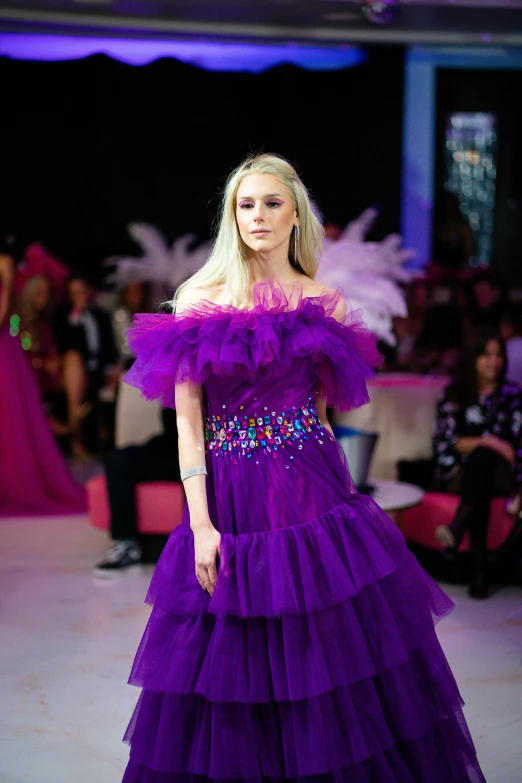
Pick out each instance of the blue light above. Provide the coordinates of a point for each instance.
(209, 55)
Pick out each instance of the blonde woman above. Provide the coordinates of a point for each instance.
(292, 631)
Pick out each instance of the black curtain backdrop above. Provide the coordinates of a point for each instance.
(92, 145)
(494, 91)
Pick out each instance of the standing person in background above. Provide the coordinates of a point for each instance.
(133, 298)
(34, 477)
(437, 348)
(156, 460)
(37, 260)
(86, 344)
(488, 300)
(408, 328)
(453, 242)
(477, 447)
(35, 312)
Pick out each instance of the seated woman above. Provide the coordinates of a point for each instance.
(477, 446)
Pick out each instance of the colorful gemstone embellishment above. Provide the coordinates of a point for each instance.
(246, 435)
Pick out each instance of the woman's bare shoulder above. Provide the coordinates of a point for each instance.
(190, 297)
(323, 290)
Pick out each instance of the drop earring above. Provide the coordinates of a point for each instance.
(297, 231)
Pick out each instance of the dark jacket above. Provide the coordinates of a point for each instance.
(91, 336)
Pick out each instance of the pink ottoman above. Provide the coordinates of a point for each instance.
(159, 505)
(437, 508)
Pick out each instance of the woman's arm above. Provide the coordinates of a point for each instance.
(189, 405)
(191, 445)
(6, 282)
(468, 444)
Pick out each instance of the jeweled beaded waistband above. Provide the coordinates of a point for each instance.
(245, 435)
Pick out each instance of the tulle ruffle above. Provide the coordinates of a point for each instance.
(297, 569)
(253, 660)
(281, 327)
(342, 728)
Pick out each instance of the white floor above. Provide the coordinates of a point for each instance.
(67, 640)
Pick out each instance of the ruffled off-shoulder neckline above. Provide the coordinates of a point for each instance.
(283, 326)
(270, 297)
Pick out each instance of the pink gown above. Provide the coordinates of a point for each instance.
(34, 476)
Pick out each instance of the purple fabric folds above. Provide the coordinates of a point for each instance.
(316, 659)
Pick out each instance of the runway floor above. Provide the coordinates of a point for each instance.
(68, 640)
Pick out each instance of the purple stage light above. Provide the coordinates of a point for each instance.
(209, 55)
(380, 12)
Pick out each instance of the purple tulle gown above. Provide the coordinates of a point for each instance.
(316, 658)
(35, 479)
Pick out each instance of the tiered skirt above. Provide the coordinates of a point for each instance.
(316, 661)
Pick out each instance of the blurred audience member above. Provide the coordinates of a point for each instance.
(86, 344)
(436, 350)
(35, 311)
(156, 460)
(488, 300)
(453, 243)
(134, 298)
(477, 446)
(37, 260)
(332, 231)
(511, 331)
(408, 329)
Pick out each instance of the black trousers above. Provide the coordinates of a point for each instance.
(484, 475)
(156, 460)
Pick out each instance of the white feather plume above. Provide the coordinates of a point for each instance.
(160, 265)
(368, 273)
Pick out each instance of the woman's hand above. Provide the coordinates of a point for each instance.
(207, 541)
(502, 447)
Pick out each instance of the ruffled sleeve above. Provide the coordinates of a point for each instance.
(166, 352)
(346, 359)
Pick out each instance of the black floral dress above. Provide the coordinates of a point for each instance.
(497, 414)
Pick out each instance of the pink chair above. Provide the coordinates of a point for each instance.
(159, 505)
(437, 508)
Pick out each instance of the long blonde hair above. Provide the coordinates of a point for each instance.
(228, 260)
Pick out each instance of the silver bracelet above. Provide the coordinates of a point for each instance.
(195, 470)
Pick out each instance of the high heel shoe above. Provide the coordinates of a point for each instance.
(450, 536)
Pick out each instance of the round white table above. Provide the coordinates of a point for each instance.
(395, 496)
